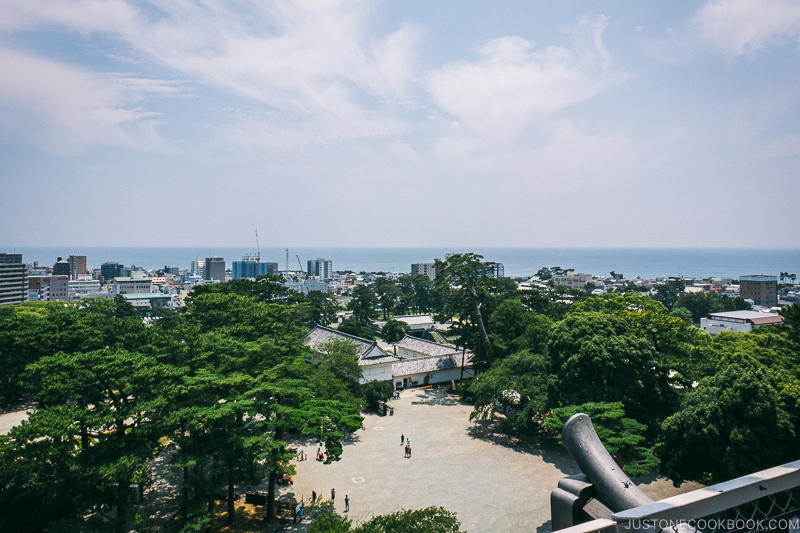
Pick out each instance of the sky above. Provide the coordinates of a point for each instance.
(400, 123)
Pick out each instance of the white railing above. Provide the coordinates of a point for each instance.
(696, 508)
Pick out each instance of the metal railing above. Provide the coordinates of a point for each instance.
(764, 501)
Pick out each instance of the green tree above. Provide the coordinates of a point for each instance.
(668, 293)
(250, 355)
(321, 308)
(100, 412)
(675, 341)
(701, 304)
(26, 334)
(363, 304)
(417, 293)
(468, 273)
(765, 349)
(791, 321)
(351, 326)
(388, 295)
(513, 328)
(428, 520)
(732, 424)
(394, 330)
(265, 288)
(516, 388)
(682, 313)
(376, 391)
(622, 437)
(330, 522)
(338, 357)
(472, 291)
(595, 357)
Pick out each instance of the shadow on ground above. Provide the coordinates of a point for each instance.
(437, 396)
(546, 448)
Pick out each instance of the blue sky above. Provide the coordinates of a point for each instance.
(400, 123)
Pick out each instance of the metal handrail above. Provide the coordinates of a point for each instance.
(716, 498)
(682, 513)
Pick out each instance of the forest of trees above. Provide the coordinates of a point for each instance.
(220, 385)
(223, 385)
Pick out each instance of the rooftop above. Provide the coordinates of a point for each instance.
(423, 365)
(754, 317)
(758, 277)
(368, 352)
(413, 320)
(426, 347)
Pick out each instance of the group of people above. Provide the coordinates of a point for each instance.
(333, 499)
(407, 442)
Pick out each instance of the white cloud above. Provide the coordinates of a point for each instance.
(512, 83)
(61, 107)
(739, 27)
(315, 61)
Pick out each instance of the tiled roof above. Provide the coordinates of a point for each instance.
(368, 352)
(423, 365)
(426, 347)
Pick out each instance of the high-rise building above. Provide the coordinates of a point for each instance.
(215, 269)
(250, 267)
(77, 266)
(62, 267)
(50, 287)
(424, 269)
(320, 267)
(110, 270)
(13, 279)
(763, 290)
(198, 268)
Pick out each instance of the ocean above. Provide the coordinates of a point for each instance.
(518, 262)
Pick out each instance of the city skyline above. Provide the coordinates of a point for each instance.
(401, 124)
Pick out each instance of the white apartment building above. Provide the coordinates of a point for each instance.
(573, 280)
(424, 269)
(137, 282)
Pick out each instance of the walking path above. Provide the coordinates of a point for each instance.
(490, 485)
(492, 482)
(14, 417)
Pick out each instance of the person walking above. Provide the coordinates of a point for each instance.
(402, 439)
(333, 495)
(346, 503)
(313, 497)
(409, 452)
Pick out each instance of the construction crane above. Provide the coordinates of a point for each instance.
(258, 249)
(299, 262)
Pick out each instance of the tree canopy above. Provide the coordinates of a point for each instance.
(222, 384)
